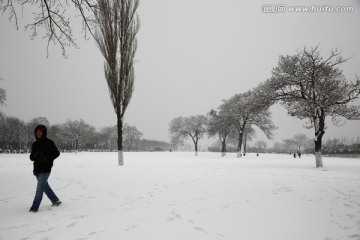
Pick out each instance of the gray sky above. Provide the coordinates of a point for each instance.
(191, 55)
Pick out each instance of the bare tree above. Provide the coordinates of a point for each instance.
(76, 131)
(194, 127)
(107, 137)
(278, 147)
(260, 145)
(52, 16)
(11, 132)
(246, 110)
(290, 145)
(4, 128)
(55, 133)
(312, 87)
(132, 137)
(300, 140)
(18, 127)
(117, 26)
(2, 95)
(220, 125)
(177, 133)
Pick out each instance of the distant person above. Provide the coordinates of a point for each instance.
(43, 153)
(294, 155)
(257, 154)
(299, 154)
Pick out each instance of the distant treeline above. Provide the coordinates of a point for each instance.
(18, 136)
(302, 144)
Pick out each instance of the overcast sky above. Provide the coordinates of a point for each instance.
(191, 55)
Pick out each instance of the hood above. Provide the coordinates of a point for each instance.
(43, 128)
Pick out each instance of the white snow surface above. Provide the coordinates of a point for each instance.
(177, 196)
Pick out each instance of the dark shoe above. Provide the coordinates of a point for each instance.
(32, 210)
(56, 204)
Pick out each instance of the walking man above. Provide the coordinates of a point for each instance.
(43, 154)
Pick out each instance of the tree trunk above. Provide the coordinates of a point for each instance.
(318, 154)
(223, 148)
(76, 145)
(195, 141)
(245, 143)
(8, 145)
(239, 144)
(120, 140)
(319, 133)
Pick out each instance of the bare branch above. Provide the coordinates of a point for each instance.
(53, 17)
(12, 13)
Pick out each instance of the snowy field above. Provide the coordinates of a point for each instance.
(177, 196)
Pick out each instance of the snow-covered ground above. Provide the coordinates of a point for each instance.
(177, 196)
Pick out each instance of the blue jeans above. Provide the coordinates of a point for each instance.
(43, 187)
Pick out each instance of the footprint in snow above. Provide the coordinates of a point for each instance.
(131, 227)
(49, 230)
(73, 224)
(220, 235)
(200, 229)
(178, 216)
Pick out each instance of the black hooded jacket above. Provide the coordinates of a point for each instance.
(43, 152)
